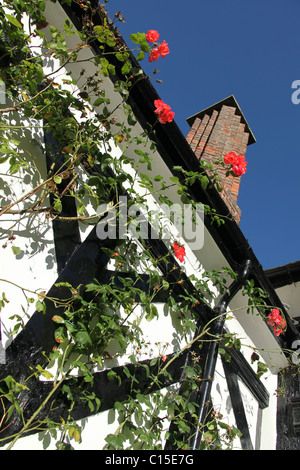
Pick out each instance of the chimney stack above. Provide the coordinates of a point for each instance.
(216, 131)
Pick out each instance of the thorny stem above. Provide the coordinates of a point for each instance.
(13, 108)
(23, 198)
(29, 422)
(53, 299)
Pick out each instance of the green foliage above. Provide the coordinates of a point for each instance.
(98, 322)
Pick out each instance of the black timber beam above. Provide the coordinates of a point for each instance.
(237, 405)
(66, 233)
(107, 390)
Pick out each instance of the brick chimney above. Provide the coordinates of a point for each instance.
(214, 132)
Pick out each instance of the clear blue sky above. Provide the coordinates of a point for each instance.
(251, 50)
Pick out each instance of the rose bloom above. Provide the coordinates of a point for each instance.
(163, 49)
(229, 159)
(152, 35)
(179, 251)
(239, 167)
(275, 316)
(154, 55)
(237, 162)
(164, 111)
(277, 322)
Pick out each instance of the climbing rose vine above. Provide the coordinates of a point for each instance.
(79, 345)
(277, 322)
(237, 162)
(163, 111)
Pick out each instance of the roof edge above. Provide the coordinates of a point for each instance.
(281, 276)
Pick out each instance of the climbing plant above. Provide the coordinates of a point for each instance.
(101, 321)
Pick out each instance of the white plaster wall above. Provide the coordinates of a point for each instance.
(34, 268)
(290, 295)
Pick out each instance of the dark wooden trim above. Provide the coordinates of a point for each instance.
(237, 405)
(87, 263)
(108, 390)
(284, 275)
(244, 371)
(66, 233)
(288, 390)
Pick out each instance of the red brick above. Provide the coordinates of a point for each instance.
(215, 132)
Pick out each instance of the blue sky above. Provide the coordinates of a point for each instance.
(251, 50)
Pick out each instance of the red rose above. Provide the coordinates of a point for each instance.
(164, 111)
(163, 49)
(275, 316)
(179, 251)
(277, 322)
(152, 35)
(154, 55)
(237, 163)
(229, 159)
(239, 168)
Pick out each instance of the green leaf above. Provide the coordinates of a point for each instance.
(44, 373)
(184, 199)
(57, 319)
(40, 306)
(82, 337)
(57, 179)
(112, 375)
(261, 369)
(14, 168)
(16, 250)
(116, 442)
(13, 21)
(121, 178)
(81, 209)
(57, 205)
(134, 38)
(39, 73)
(140, 55)
(76, 435)
(158, 178)
(125, 69)
(151, 312)
(120, 57)
(66, 389)
(145, 46)
(141, 154)
(101, 101)
(204, 181)
(177, 168)
(183, 427)
(131, 119)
